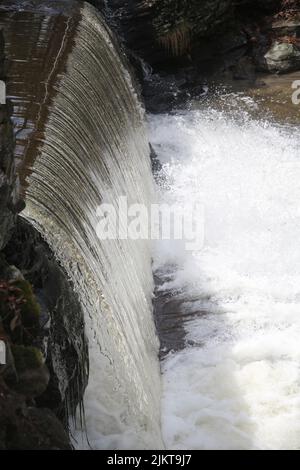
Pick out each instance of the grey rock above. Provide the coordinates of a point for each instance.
(62, 338)
(32, 382)
(24, 427)
(282, 58)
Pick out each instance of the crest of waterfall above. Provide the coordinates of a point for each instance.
(89, 146)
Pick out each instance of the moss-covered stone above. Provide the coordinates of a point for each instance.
(27, 428)
(26, 357)
(19, 311)
(30, 308)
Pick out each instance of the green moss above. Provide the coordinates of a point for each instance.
(30, 309)
(26, 357)
(19, 311)
(177, 22)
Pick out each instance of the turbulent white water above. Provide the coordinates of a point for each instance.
(236, 385)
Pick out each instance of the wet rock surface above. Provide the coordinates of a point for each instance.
(61, 335)
(156, 30)
(41, 323)
(24, 376)
(24, 427)
(171, 316)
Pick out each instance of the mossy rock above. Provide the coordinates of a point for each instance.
(19, 311)
(30, 309)
(26, 357)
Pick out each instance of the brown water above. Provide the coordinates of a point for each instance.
(269, 97)
(275, 96)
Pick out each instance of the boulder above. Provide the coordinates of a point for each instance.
(61, 336)
(282, 57)
(24, 427)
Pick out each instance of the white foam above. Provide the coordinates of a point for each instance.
(238, 387)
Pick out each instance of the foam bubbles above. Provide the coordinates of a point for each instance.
(238, 386)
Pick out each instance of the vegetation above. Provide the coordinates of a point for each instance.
(19, 312)
(177, 42)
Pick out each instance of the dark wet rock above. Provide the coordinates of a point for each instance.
(24, 376)
(24, 427)
(39, 429)
(62, 336)
(31, 374)
(155, 162)
(163, 92)
(41, 323)
(168, 317)
(171, 317)
(159, 29)
(177, 45)
(264, 6)
(244, 69)
(234, 40)
(32, 382)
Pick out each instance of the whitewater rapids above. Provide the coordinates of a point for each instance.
(236, 384)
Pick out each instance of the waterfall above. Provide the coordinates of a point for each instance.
(234, 381)
(82, 142)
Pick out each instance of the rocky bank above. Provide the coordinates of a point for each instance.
(178, 45)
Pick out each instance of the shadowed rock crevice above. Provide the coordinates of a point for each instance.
(62, 336)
